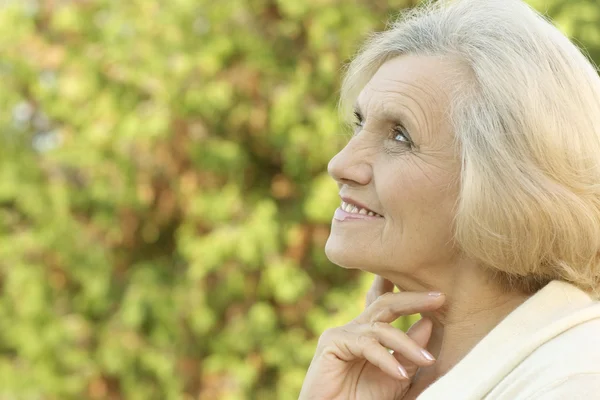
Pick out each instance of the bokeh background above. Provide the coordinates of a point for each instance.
(164, 201)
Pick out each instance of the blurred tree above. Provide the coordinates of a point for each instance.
(163, 195)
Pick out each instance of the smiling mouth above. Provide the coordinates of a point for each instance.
(352, 209)
(349, 211)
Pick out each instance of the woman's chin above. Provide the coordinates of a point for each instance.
(342, 255)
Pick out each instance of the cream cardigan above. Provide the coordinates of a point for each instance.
(548, 348)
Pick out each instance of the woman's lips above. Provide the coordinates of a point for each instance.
(341, 215)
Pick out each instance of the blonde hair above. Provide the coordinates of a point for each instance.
(526, 119)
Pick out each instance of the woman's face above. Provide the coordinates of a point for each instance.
(400, 164)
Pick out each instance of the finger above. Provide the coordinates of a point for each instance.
(379, 356)
(379, 286)
(349, 346)
(420, 333)
(398, 341)
(390, 306)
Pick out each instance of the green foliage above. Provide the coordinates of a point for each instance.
(164, 201)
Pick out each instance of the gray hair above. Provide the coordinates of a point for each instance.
(526, 118)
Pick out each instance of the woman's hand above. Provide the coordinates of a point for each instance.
(353, 361)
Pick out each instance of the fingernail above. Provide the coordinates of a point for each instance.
(402, 371)
(427, 355)
(435, 294)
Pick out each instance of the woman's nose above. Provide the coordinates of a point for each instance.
(350, 166)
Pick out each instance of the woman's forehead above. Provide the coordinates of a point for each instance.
(409, 77)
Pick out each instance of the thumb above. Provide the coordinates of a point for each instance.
(379, 287)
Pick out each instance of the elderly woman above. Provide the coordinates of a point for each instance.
(472, 184)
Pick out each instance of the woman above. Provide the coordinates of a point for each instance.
(472, 184)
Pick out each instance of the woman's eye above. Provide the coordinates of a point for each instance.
(399, 135)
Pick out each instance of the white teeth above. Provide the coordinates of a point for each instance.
(355, 210)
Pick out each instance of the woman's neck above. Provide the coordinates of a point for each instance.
(465, 321)
(473, 307)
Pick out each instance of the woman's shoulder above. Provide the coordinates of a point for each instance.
(575, 350)
(548, 345)
(568, 364)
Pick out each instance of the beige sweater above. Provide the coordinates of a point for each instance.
(548, 348)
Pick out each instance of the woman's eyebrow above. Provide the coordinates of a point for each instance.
(399, 115)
